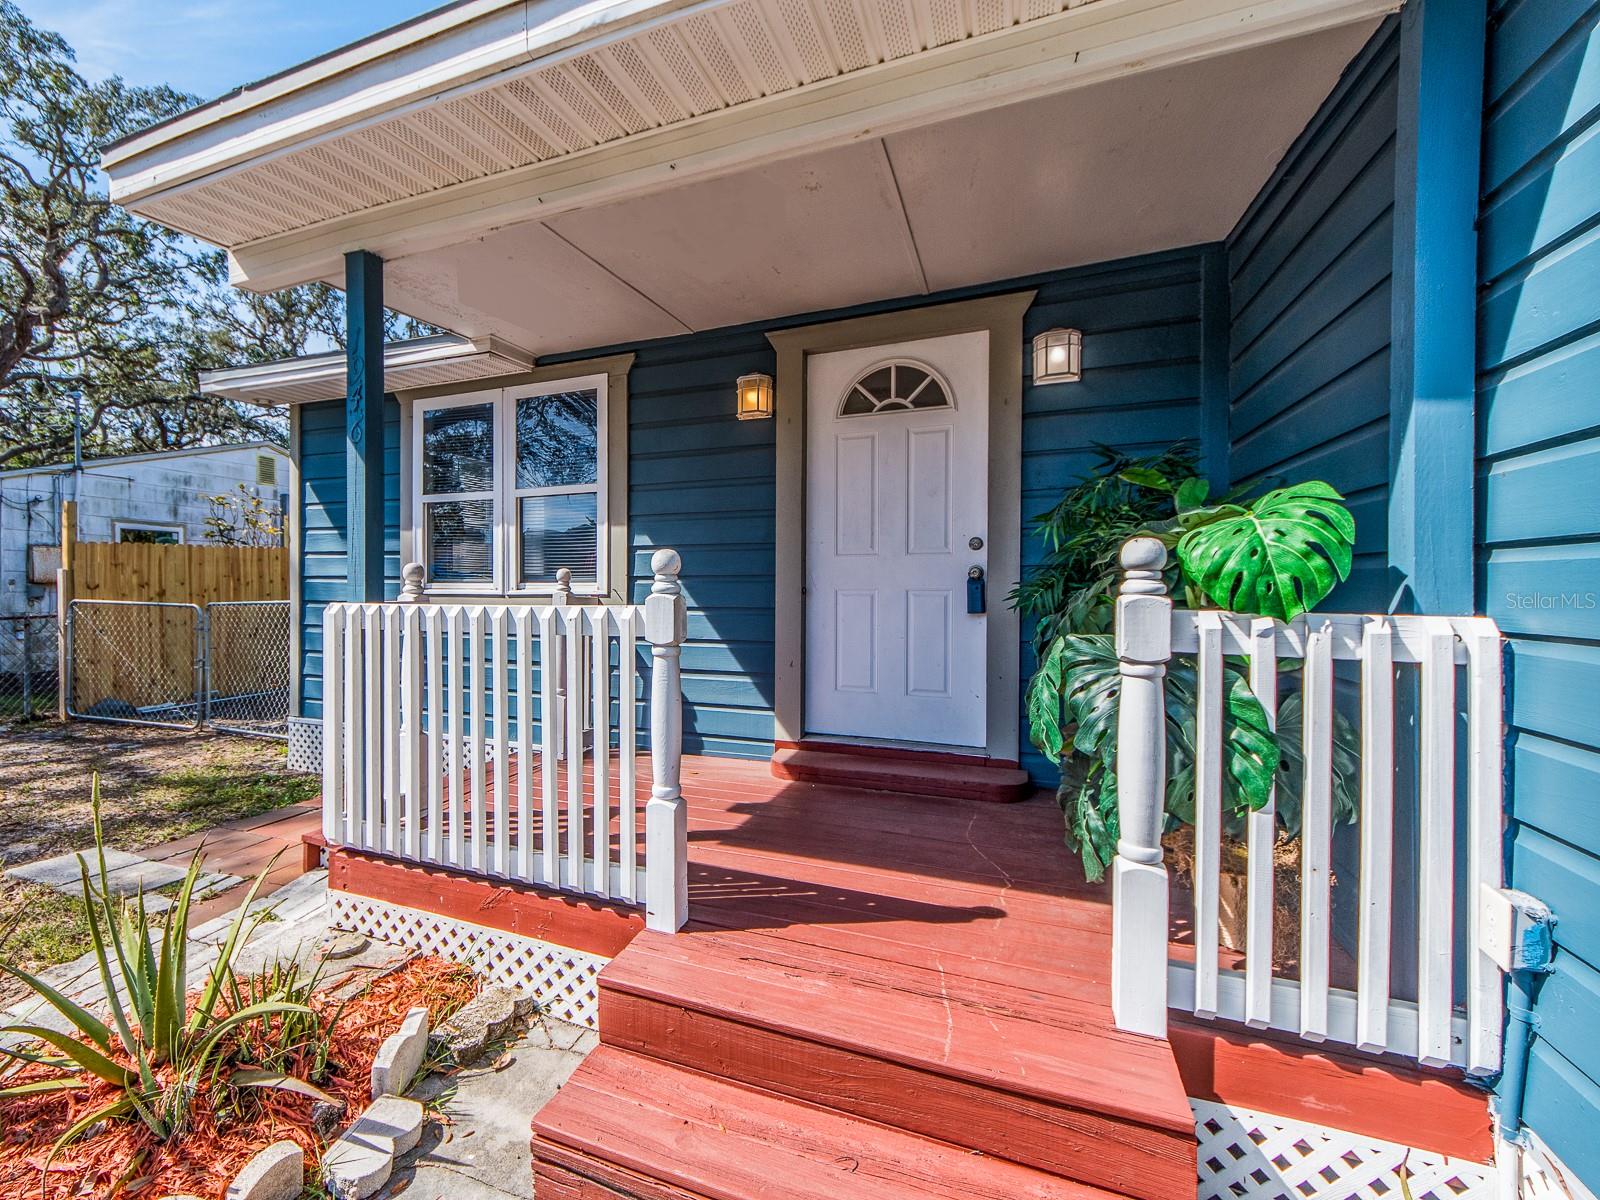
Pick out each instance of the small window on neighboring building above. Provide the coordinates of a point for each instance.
(148, 535)
(267, 470)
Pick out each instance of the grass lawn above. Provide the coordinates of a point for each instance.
(156, 785)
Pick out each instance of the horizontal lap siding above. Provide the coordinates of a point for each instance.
(1539, 511)
(1140, 391)
(702, 482)
(324, 529)
(1309, 275)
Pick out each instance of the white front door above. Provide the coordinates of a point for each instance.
(897, 484)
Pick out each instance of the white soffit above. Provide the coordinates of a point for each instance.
(1132, 165)
(420, 362)
(375, 141)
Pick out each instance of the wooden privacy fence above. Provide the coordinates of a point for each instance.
(1437, 770)
(502, 740)
(163, 647)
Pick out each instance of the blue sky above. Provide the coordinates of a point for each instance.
(208, 47)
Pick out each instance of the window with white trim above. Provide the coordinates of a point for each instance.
(509, 486)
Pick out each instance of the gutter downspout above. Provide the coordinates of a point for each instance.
(1529, 949)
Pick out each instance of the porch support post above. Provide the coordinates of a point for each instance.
(1434, 307)
(363, 410)
(666, 816)
(1139, 897)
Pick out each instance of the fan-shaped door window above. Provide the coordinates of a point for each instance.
(899, 386)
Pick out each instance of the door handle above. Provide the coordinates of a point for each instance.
(977, 601)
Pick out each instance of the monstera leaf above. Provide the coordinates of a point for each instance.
(1278, 557)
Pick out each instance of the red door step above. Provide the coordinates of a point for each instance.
(1007, 1071)
(628, 1126)
(948, 776)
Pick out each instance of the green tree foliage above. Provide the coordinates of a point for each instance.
(97, 303)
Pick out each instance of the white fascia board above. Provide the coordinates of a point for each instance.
(1081, 46)
(375, 80)
(256, 382)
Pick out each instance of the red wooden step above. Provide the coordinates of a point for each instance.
(1040, 1079)
(946, 776)
(628, 1126)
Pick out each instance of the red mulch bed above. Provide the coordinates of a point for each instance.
(125, 1160)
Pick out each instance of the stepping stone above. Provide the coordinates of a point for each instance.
(276, 1173)
(361, 1161)
(400, 1055)
(62, 871)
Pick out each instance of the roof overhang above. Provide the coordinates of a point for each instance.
(420, 362)
(489, 113)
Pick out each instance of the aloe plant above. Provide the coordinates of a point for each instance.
(1277, 555)
(159, 1051)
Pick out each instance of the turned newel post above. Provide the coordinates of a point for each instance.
(1139, 878)
(666, 814)
(411, 576)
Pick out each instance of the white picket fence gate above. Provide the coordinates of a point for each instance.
(432, 751)
(1432, 1028)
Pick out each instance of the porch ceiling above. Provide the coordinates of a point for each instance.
(488, 112)
(1142, 163)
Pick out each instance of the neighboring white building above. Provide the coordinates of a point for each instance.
(135, 497)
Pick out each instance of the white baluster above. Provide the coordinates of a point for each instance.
(437, 733)
(372, 648)
(1374, 924)
(1316, 833)
(572, 743)
(560, 598)
(666, 814)
(524, 627)
(411, 667)
(477, 752)
(1436, 787)
(1207, 809)
(1139, 877)
(600, 656)
(500, 664)
(627, 749)
(550, 717)
(334, 716)
(1261, 833)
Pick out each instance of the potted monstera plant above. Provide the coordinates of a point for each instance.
(1275, 555)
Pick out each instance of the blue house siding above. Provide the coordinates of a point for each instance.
(1538, 513)
(1309, 268)
(1140, 392)
(703, 482)
(324, 530)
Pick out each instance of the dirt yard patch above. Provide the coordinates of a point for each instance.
(155, 785)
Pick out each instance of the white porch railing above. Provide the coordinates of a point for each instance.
(502, 740)
(1432, 1028)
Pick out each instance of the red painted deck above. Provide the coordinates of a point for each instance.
(881, 995)
(921, 981)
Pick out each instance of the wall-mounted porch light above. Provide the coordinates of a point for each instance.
(755, 397)
(1058, 356)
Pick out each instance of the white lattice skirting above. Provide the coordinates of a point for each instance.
(1248, 1155)
(561, 980)
(305, 745)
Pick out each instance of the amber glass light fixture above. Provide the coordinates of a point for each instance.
(755, 397)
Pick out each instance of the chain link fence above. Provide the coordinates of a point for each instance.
(224, 664)
(247, 667)
(29, 658)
